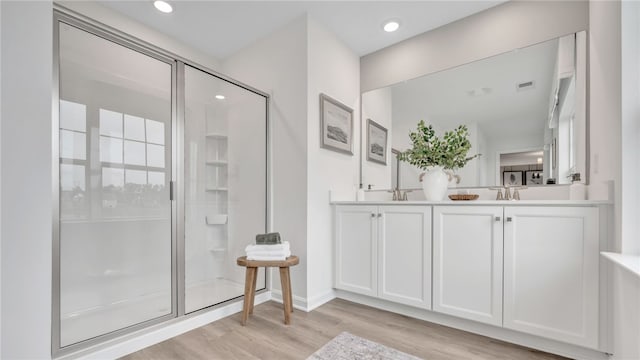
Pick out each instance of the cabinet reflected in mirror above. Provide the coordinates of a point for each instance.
(525, 111)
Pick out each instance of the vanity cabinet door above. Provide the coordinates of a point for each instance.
(551, 272)
(356, 249)
(467, 262)
(404, 248)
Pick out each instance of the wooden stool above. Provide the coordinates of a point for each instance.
(250, 284)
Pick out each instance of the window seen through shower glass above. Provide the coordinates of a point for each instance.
(115, 168)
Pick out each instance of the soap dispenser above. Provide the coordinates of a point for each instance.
(360, 194)
(577, 190)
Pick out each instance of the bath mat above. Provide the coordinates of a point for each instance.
(350, 347)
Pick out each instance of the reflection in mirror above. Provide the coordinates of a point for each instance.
(525, 111)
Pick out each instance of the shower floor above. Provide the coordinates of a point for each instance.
(100, 320)
(209, 293)
(103, 319)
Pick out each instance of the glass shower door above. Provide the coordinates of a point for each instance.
(115, 214)
(225, 166)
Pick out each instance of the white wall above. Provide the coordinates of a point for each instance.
(377, 106)
(512, 144)
(512, 25)
(0, 185)
(277, 64)
(26, 43)
(626, 286)
(604, 105)
(626, 314)
(333, 69)
(26, 182)
(630, 198)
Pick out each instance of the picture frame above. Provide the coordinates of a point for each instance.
(512, 178)
(533, 177)
(336, 125)
(376, 142)
(554, 153)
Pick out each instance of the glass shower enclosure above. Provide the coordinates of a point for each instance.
(224, 186)
(161, 173)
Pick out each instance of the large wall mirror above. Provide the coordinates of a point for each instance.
(525, 111)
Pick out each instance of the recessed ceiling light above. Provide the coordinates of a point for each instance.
(391, 26)
(220, 97)
(163, 6)
(479, 92)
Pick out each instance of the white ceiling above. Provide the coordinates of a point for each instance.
(220, 28)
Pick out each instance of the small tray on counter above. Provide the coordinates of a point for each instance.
(465, 197)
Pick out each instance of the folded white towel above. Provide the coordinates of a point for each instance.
(275, 247)
(266, 258)
(269, 253)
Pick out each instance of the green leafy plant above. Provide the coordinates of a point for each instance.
(450, 152)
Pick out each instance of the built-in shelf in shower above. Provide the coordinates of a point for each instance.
(218, 250)
(216, 136)
(222, 189)
(217, 163)
(218, 219)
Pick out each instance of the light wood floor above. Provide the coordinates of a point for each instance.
(266, 337)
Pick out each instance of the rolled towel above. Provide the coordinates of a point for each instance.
(269, 253)
(267, 258)
(268, 239)
(275, 247)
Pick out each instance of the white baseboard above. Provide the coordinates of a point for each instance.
(144, 338)
(320, 300)
(299, 303)
(531, 341)
(305, 304)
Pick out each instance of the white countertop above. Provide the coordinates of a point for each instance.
(629, 262)
(480, 202)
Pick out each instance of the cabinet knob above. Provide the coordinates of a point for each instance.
(498, 218)
(379, 215)
(373, 215)
(509, 219)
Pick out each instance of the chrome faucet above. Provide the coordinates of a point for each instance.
(507, 192)
(499, 194)
(516, 193)
(398, 195)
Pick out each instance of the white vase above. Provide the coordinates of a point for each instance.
(434, 183)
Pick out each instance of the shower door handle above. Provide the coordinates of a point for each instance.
(171, 190)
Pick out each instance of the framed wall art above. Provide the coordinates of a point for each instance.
(376, 142)
(336, 125)
(512, 178)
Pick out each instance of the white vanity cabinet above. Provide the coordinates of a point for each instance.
(529, 267)
(385, 251)
(551, 272)
(356, 252)
(467, 262)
